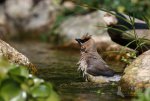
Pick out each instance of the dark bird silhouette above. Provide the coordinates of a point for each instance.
(124, 31)
(91, 62)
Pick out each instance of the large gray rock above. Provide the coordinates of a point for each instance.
(136, 75)
(23, 16)
(76, 26)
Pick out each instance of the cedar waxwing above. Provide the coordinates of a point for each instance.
(91, 63)
(121, 30)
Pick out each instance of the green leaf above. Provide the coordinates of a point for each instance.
(4, 68)
(30, 82)
(1, 99)
(19, 71)
(10, 90)
(53, 97)
(16, 84)
(19, 74)
(42, 90)
(147, 94)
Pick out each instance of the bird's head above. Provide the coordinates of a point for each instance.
(110, 19)
(87, 43)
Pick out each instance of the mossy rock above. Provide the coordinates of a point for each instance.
(136, 75)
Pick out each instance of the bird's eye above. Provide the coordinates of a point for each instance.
(82, 41)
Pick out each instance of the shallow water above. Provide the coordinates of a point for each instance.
(59, 67)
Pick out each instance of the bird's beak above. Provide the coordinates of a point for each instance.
(79, 41)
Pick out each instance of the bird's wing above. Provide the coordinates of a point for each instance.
(97, 66)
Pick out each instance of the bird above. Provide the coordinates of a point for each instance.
(91, 63)
(128, 31)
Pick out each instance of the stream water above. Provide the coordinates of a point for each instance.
(59, 67)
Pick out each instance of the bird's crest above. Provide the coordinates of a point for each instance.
(86, 37)
(83, 39)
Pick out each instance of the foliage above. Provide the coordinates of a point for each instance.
(131, 7)
(129, 57)
(16, 84)
(143, 96)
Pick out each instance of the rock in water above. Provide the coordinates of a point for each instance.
(14, 56)
(136, 75)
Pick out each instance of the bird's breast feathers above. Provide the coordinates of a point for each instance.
(82, 66)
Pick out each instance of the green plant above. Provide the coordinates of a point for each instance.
(16, 84)
(143, 96)
(130, 7)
